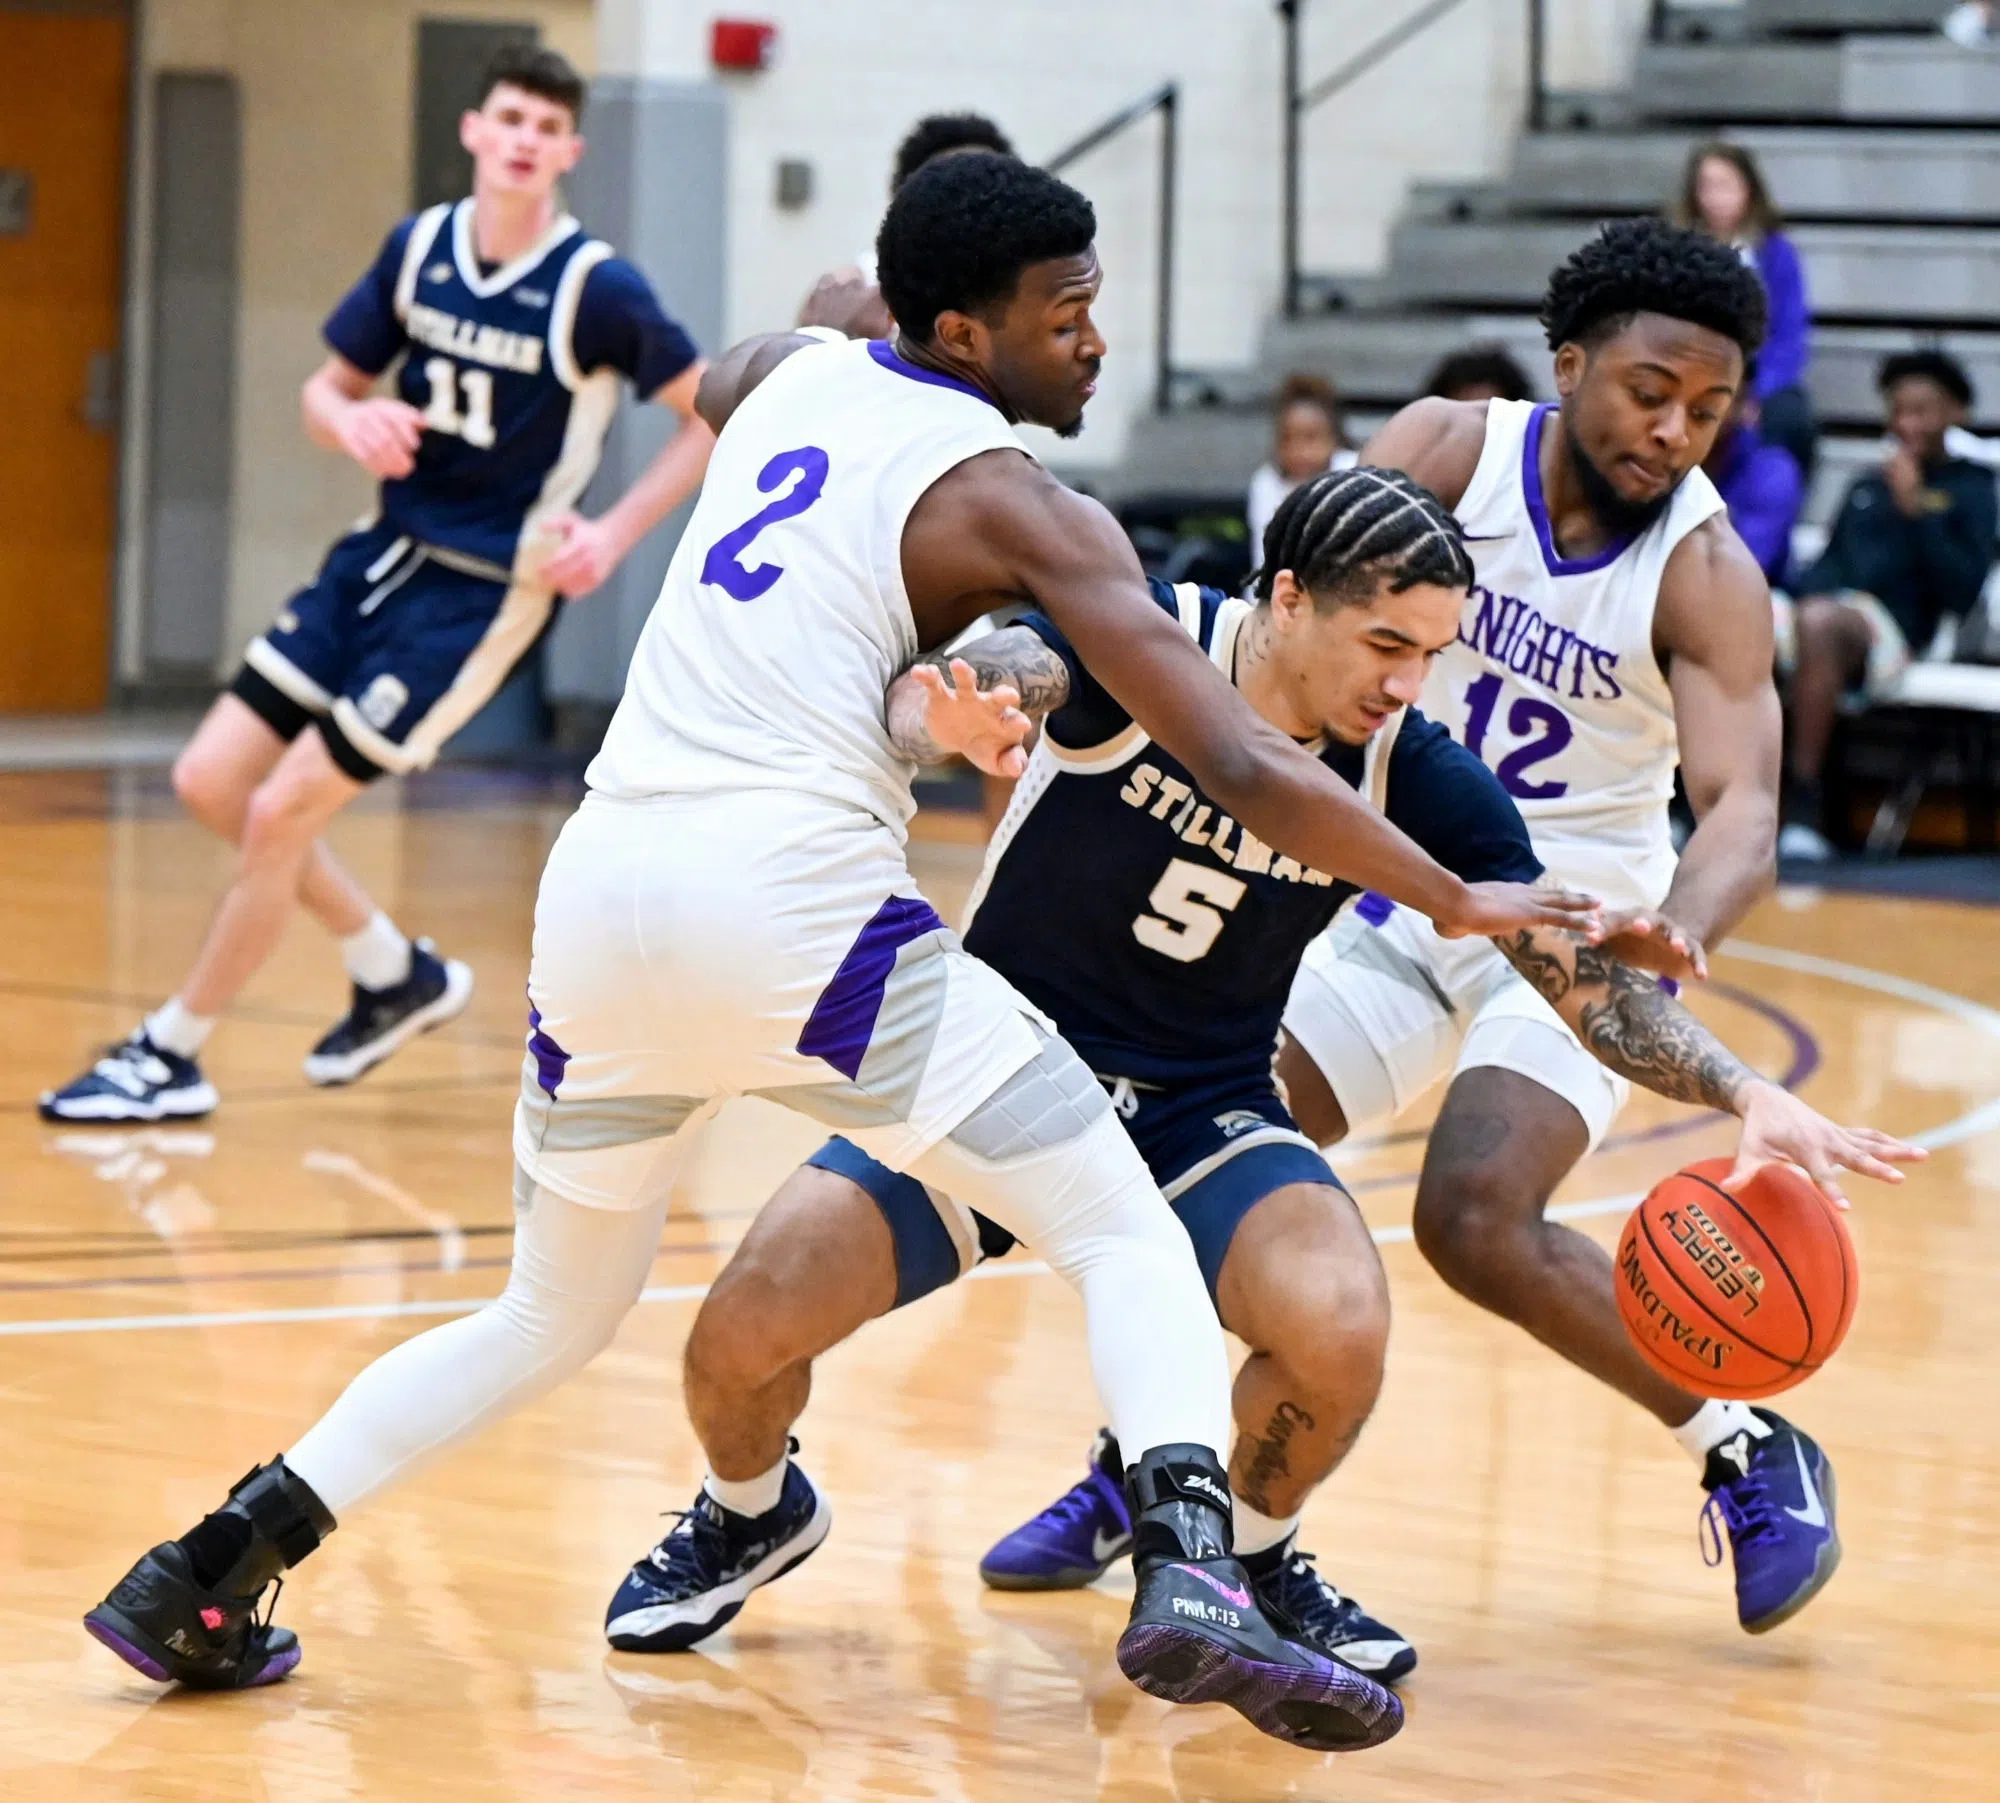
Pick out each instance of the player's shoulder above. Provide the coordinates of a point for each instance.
(1433, 441)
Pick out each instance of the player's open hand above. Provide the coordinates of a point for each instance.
(849, 302)
(1489, 909)
(382, 436)
(1647, 940)
(1780, 1129)
(986, 727)
(577, 554)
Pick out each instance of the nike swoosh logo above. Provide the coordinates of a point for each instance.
(1814, 1513)
(1103, 1545)
(1241, 1598)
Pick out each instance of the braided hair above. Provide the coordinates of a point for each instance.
(1342, 533)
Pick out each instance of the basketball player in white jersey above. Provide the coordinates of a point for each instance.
(730, 912)
(1617, 626)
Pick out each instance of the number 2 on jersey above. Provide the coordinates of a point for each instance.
(724, 565)
(474, 423)
(1184, 926)
(1549, 726)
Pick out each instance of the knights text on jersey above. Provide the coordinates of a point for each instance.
(514, 369)
(1553, 681)
(1159, 934)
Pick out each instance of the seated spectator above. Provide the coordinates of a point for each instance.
(1480, 372)
(1910, 549)
(1761, 483)
(1723, 194)
(1310, 436)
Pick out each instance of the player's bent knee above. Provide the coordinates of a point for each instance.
(749, 1329)
(1327, 1323)
(1473, 1227)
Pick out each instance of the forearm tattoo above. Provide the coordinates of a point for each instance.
(1630, 1023)
(1015, 656)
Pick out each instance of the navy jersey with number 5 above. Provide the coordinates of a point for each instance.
(1159, 934)
(515, 370)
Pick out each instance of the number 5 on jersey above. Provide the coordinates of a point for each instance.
(1183, 925)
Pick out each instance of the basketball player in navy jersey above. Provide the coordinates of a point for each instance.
(515, 330)
(1162, 938)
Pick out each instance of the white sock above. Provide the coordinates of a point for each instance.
(377, 957)
(753, 1496)
(173, 1029)
(1714, 1422)
(1257, 1533)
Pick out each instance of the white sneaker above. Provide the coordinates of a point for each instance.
(1969, 25)
(1804, 843)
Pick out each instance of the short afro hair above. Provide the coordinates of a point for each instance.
(961, 230)
(1648, 266)
(1933, 366)
(938, 133)
(1480, 366)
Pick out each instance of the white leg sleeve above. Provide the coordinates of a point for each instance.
(577, 1271)
(1089, 1206)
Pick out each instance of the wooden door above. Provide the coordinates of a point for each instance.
(62, 156)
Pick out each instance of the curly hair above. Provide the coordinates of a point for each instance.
(1932, 366)
(1648, 266)
(1342, 532)
(961, 230)
(937, 133)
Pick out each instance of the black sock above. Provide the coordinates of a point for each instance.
(1263, 1563)
(215, 1545)
(1802, 802)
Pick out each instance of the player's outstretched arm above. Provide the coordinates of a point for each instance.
(1713, 631)
(1069, 555)
(1637, 1029)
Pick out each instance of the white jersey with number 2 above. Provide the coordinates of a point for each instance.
(1553, 681)
(784, 618)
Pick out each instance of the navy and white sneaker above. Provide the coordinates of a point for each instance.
(1076, 1539)
(1300, 1603)
(1773, 1495)
(382, 1021)
(134, 1081)
(699, 1577)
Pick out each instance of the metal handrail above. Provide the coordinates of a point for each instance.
(1164, 100)
(1300, 101)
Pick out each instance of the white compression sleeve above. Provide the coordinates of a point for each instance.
(1090, 1207)
(577, 1271)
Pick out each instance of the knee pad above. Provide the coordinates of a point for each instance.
(1048, 1102)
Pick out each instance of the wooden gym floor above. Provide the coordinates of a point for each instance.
(176, 1304)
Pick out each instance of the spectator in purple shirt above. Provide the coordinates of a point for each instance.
(1723, 194)
(1762, 484)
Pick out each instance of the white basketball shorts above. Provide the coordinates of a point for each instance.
(1386, 1007)
(692, 948)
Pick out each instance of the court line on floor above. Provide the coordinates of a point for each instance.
(1982, 1119)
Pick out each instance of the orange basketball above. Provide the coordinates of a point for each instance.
(1736, 1295)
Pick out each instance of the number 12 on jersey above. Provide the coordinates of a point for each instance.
(1544, 731)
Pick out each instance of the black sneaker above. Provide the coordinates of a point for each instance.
(1304, 1605)
(381, 1021)
(187, 1612)
(1198, 1635)
(698, 1578)
(134, 1081)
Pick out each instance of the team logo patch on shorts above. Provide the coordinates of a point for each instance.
(1240, 1120)
(382, 701)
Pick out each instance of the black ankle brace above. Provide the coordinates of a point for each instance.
(277, 1520)
(1181, 1506)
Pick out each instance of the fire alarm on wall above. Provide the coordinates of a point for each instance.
(742, 44)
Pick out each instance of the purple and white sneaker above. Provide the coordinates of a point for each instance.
(1774, 1497)
(1076, 1539)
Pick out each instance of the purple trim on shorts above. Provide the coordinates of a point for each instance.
(843, 1019)
(886, 354)
(550, 1059)
(1538, 511)
(1374, 909)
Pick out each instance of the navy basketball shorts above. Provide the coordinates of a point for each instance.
(391, 648)
(1215, 1149)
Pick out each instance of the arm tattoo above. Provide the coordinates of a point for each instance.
(1630, 1023)
(1013, 655)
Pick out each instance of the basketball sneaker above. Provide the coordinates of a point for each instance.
(1198, 1635)
(1076, 1539)
(699, 1577)
(1774, 1498)
(133, 1081)
(381, 1021)
(187, 1612)
(1302, 1604)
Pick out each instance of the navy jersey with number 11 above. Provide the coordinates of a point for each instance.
(515, 370)
(1158, 933)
